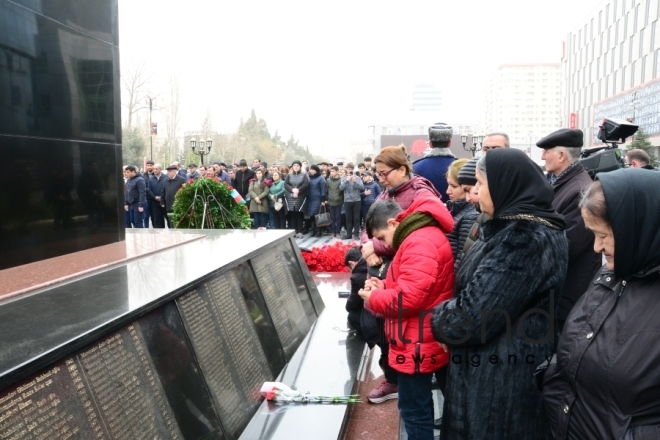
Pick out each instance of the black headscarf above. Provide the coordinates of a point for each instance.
(517, 186)
(633, 206)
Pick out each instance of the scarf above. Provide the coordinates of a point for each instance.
(410, 224)
(517, 186)
(554, 179)
(633, 205)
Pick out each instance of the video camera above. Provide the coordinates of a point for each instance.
(613, 133)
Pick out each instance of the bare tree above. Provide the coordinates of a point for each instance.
(172, 112)
(134, 82)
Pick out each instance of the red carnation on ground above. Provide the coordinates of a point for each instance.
(327, 258)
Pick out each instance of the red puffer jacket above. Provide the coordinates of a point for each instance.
(403, 195)
(420, 277)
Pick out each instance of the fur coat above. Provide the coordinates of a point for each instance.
(517, 266)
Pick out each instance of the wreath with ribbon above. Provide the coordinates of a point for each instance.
(207, 203)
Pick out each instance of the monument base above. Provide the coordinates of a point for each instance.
(175, 342)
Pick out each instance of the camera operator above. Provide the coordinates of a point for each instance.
(568, 179)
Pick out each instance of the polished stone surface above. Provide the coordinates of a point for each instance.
(42, 274)
(59, 197)
(326, 363)
(74, 314)
(62, 68)
(60, 128)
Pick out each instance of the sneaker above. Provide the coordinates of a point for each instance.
(346, 237)
(356, 237)
(384, 391)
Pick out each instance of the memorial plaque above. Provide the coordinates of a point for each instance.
(227, 347)
(107, 391)
(177, 369)
(312, 289)
(261, 319)
(285, 291)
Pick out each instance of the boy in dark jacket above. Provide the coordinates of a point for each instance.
(355, 304)
(369, 194)
(420, 277)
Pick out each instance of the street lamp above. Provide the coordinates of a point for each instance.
(477, 142)
(152, 129)
(203, 148)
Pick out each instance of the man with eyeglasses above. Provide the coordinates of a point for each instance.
(437, 159)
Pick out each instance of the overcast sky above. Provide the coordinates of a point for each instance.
(326, 71)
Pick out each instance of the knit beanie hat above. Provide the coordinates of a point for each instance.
(296, 162)
(467, 174)
(315, 168)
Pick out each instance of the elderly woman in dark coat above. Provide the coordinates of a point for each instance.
(500, 323)
(604, 382)
(316, 197)
(296, 184)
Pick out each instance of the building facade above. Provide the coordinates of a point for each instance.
(611, 68)
(426, 97)
(522, 100)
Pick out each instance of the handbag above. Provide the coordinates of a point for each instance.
(323, 219)
(278, 204)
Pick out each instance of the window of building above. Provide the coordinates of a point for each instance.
(637, 17)
(641, 43)
(647, 13)
(623, 79)
(633, 71)
(654, 36)
(605, 65)
(643, 72)
(607, 15)
(626, 25)
(655, 66)
(630, 49)
(591, 30)
(614, 77)
(621, 55)
(614, 4)
(600, 21)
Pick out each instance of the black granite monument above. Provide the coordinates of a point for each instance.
(60, 128)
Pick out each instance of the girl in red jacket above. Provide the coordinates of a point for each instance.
(420, 277)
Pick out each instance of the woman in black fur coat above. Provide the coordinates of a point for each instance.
(497, 325)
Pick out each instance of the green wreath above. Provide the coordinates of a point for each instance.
(207, 203)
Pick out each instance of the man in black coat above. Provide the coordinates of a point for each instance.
(243, 177)
(170, 187)
(154, 190)
(568, 179)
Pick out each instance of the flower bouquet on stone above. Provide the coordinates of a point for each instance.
(281, 393)
(327, 258)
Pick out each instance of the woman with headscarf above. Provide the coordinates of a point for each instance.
(500, 323)
(604, 382)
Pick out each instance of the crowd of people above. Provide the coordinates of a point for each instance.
(499, 298)
(483, 278)
(278, 197)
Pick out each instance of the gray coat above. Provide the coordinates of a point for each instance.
(517, 266)
(352, 190)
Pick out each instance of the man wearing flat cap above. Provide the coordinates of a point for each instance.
(437, 159)
(568, 179)
(170, 187)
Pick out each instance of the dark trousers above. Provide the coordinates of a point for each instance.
(137, 220)
(296, 220)
(158, 215)
(260, 220)
(352, 218)
(416, 405)
(279, 218)
(391, 375)
(169, 220)
(335, 215)
(127, 219)
(363, 211)
(146, 215)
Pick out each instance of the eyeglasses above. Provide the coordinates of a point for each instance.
(383, 174)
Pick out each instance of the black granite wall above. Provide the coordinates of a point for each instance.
(60, 128)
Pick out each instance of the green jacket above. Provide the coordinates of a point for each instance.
(335, 195)
(277, 190)
(255, 192)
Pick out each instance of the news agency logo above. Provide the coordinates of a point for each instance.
(467, 322)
